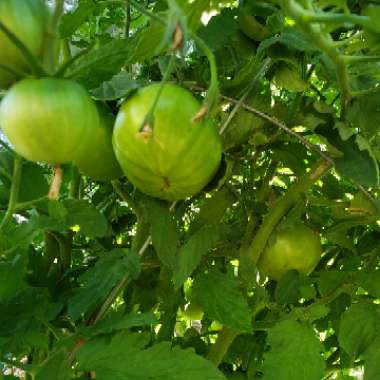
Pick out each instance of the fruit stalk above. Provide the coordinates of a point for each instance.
(13, 198)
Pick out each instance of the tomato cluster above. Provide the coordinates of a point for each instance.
(54, 120)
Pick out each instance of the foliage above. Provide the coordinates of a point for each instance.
(97, 278)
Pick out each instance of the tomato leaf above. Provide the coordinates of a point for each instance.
(220, 297)
(125, 357)
(358, 328)
(99, 280)
(285, 360)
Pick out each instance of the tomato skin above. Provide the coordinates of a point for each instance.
(297, 248)
(27, 19)
(98, 159)
(48, 120)
(180, 157)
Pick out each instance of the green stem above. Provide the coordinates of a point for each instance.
(36, 68)
(29, 204)
(311, 17)
(12, 71)
(111, 298)
(75, 184)
(149, 118)
(352, 59)
(52, 37)
(276, 212)
(126, 197)
(225, 338)
(127, 19)
(213, 90)
(15, 189)
(61, 71)
(325, 43)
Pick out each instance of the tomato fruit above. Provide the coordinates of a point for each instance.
(297, 248)
(98, 159)
(48, 119)
(179, 157)
(27, 19)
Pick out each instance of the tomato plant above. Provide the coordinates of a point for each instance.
(48, 120)
(97, 159)
(296, 248)
(28, 20)
(176, 157)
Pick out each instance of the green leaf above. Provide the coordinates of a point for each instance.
(105, 61)
(364, 113)
(71, 21)
(163, 229)
(358, 328)
(121, 85)
(92, 222)
(190, 254)
(371, 361)
(220, 297)
(120, 321)
(99, 280)
(56, 367)
(124, 358)
(12, 276)
(212, 210)
(294, 351)
(33, 182)
(370, 281)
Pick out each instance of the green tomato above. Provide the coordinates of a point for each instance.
(178, 157)
(297, 248)
(27, 19)
(98, 159)
(48, 120)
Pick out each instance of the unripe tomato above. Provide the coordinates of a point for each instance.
(48, 119)
(97, 159)
(297, 248)
(179, 157)
(27, 19)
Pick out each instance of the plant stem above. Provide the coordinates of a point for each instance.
(264, 67)
(127, 19)
(276, 212)
(52, 37)
(15, 189)
(36, 68)
(225, 338)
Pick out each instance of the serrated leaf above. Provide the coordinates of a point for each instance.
(71, 21)
(56, 367)
(99, 280)
(92, 222)
(371, 361)
(212, 210)
(124, 357)
(164, 231)
(220, 297)
(121, 85)
(358, 328)
(103, 62)
(370, 281)
(294, 353)
(12, 276)
(190, 254)
(120, 321)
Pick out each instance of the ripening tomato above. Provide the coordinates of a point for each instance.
(97, 159)
(297, 248)
(27, 20)
(48, 120)
(178, 157)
